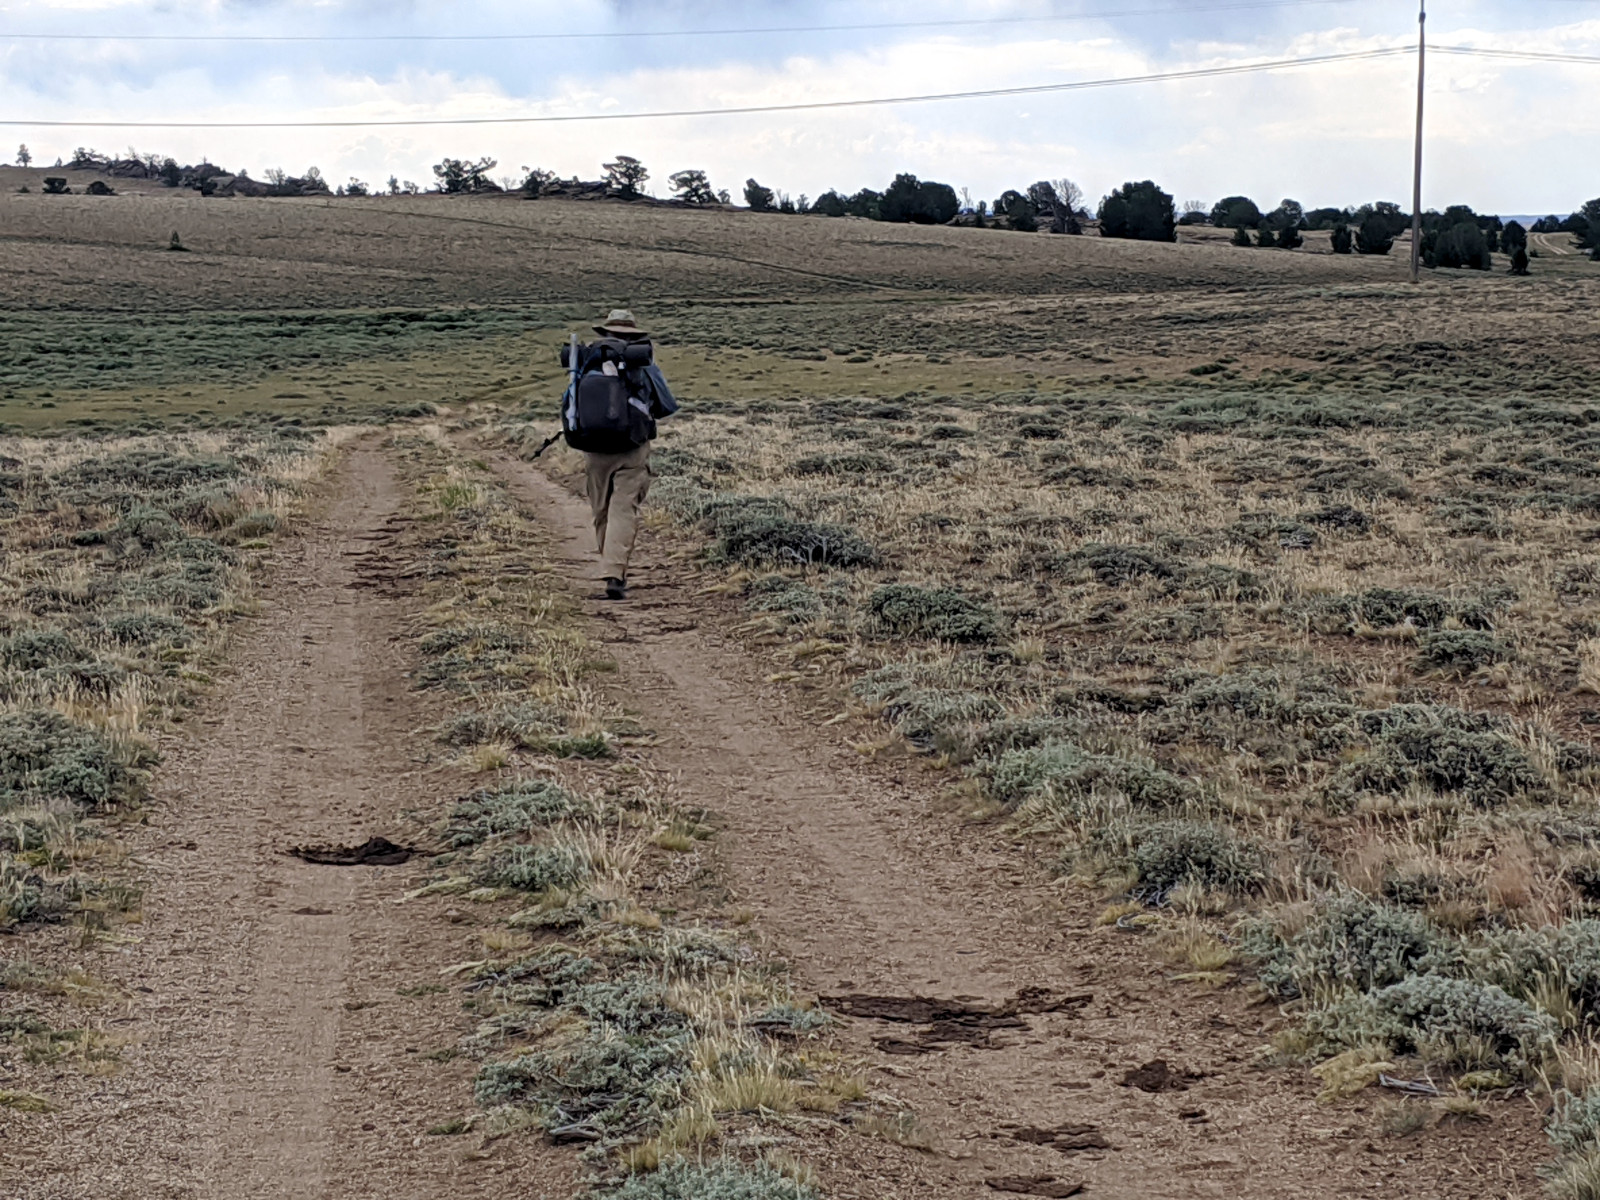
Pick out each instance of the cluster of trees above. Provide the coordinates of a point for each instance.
(907, 200)
(1455, 238)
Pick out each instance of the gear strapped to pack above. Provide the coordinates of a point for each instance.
(614, 395)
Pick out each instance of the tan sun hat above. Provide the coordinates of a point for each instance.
(621, 324)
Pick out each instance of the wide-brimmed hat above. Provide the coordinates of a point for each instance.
(621, 324)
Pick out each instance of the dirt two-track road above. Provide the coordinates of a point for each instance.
(282, 1018)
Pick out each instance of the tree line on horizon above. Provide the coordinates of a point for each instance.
(1458, 237)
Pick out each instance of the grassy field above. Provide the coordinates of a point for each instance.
(1258, 586)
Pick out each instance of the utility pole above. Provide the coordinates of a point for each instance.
(1416, 179)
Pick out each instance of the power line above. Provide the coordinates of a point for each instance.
(1517, 55)
(814, 105)
(745, 109)
(613, 34)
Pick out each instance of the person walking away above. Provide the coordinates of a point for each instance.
(618, 479)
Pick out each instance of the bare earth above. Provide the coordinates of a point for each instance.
(274, 1054)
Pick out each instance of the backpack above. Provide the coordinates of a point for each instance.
(602, 411)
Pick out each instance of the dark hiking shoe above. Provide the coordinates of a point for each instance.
(616, 589)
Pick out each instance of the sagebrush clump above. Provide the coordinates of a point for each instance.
(938, 613)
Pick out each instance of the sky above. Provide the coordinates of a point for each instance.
(1502, 136)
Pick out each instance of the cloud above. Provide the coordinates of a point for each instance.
(1500, 134)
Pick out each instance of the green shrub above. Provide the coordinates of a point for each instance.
(44, 755)
(526, 805)
(1574, 1125)
(1350, 943)
(22, 893)
(634, 1006)
(33, 650)
(1269, 531)
(147, 529)
(185, 586)
(863, 464)
(142, 473)
(529, 724)
(617, 1085)
(1373, 236)
(1019, 733)
(782, 594)
(930, 717)
(1526, 961)
(544, 978)
(1066, 772)
(1442, 749)
(943, 614)
(1341, 517)
(146, 629)
(725, 1180)
(1164, 854)
(762, 537)
(1383, 608)
(1457, 1022)
(1573, 1176)
(1458, 651)
(533, 868)
(1222, 582)
(1115, 565)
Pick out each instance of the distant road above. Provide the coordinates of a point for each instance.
(1553, 243)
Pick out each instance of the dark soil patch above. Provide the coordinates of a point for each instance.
(1035, 1185)
(1158, 1075)
(374, 852)
(957, 1021)
(1069, 1139)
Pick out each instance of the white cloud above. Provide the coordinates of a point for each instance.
(1501, 135)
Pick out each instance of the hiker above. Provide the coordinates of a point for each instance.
(617, 394)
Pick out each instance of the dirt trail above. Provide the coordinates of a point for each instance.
(866, 888)
(273, 1056)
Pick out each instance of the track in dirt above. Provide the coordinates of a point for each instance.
(273, 1056)
(865, 887)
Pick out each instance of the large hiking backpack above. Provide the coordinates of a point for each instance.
(602, 411)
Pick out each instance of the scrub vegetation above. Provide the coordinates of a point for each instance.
(126, 561)
(610, 1015)
(1299, 658)
(1255, 591)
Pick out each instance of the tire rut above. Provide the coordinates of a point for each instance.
(274, 1055)
(866, 888)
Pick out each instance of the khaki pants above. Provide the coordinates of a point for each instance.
(617, 484)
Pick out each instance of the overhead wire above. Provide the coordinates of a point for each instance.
(747, 109)
(1222, 70)
(633, 34)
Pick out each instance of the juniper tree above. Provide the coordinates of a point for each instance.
(1343, 241)
(1141, 211)
(23, 157)
(1236, 212)
(758, 198)
(1374, 237)
(624, 176)
(692, 187)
